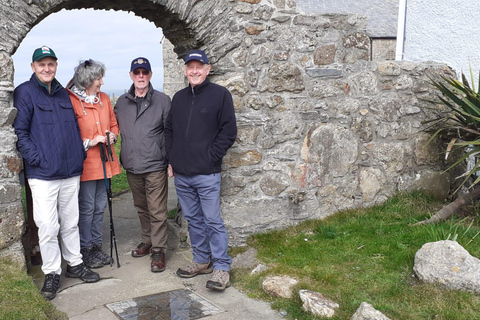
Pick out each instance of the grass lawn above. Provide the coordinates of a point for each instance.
(364, 255)
(20, 299)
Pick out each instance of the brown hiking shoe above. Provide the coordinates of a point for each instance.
(142, 250)
(220, 280)
(158, 260)
(195, 268)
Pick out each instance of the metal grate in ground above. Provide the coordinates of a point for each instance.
(172, 305)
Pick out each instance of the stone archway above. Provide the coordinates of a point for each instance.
(321, 128)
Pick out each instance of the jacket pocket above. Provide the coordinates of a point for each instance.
(45, 116)
(68, 114)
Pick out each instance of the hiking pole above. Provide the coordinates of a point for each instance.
(113, 240)
(109, 147)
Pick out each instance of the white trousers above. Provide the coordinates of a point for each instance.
(55, 212)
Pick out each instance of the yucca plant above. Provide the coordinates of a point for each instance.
(459, 126)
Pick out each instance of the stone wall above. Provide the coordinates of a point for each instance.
(321, 128)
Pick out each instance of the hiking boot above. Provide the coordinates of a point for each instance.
(194, 268)
(142, 250)
(50, 286)
(220, 280)
(90, 259)
(82, 272)
(158, 260)
(100, 255)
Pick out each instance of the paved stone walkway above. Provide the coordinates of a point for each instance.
(134, 292)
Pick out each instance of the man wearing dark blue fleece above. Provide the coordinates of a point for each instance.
(200, 128)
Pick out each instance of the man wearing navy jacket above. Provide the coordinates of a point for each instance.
(50, 143)
(200, 128)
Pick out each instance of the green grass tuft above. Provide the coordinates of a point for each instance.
(364, 255)
(20, 299)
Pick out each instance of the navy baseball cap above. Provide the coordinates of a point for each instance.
(43, 52)
(140, 63)
(197, 55)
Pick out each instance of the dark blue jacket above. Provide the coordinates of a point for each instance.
(200, 128)
(47, 129)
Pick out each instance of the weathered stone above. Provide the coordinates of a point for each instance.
(255, 103)
(15, 253)
(255, 30)
(284, 77)
(280, 4)
(363, 128)
(246, 259)
(248, 135)
(317, 304)
(252, 77)
(324, 55)
(232, 185)
(259, 269)
(325, 89)
(322, 72)
(281, 56)
(448, 264)
(298, 175)
(388, 68)
(236, 159)
(435, 184)
(323, 157)
(281, 18)
(240, 57)
(236, 85)
(6, 68)
(279, 286)
(275, 101)
(371, 182)
(367, 312)
(10, 167)
(273, 184)
(11, 224)
(244, 8)
(357, 40)
(427, 152)
(14, 164)
(403, 82)
(264, 13)
(390, 156)
(9, 193)
(304, 20)
(250, 1)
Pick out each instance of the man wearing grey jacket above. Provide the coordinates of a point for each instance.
(141, 115)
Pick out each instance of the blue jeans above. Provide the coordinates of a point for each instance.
(92, 201)
(199, 197)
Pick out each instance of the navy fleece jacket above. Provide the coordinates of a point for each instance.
(200, 128)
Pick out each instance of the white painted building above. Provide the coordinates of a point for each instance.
(440, 30)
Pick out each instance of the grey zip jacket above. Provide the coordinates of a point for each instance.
(143, 136)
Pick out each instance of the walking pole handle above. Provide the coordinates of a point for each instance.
(109, 147)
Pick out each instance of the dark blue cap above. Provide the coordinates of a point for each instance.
(197, 55)
(140, 63)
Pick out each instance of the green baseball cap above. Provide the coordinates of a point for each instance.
(43, 52)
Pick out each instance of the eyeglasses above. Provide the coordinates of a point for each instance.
(88, 62)
(144, 72)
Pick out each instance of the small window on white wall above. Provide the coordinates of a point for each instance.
(383, 48)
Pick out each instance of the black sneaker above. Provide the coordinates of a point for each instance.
(90, 259)
(82, 272)
(50, 286)
(101, 255)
